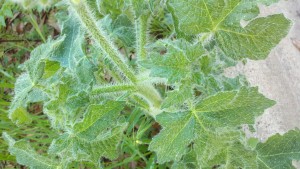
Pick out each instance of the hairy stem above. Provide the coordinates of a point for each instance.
(141, 37)
(89, 22)
(150, 94)
(113, 88)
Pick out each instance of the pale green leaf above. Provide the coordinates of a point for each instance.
(225, 109)
(174, 67)
(97, 135)
(51, 67)
(222, 19)
(230, 151)
(69, 99)
(120, 29)
(279, 151)
(36, 64)
(256, 40)
(22, 87)
(25, 93)
(232, 108)
(20, 116)
(178, 96)
(96, 112)
(176, 135)
(27, 156)
(71, 148)
(85, 71)
(173, 60)
(70, 50)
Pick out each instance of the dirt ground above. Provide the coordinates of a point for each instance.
(278, 77)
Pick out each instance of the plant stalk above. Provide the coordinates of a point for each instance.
(88, 20)
(141, 37)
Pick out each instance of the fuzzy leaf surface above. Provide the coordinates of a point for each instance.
(225, 109)
(279, 151)
(231, 151)
(222, 19)
(97, 135)
(26, 155)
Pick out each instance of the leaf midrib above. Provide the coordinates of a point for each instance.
(217, 25)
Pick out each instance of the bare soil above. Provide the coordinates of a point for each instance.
(278, 77)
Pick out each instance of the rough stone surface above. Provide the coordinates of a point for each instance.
(278, 77)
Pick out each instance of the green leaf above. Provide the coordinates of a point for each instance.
(114, 8)
(279, 151)
(95, 112)
(27, 156)
(232, 108)
(120, 29)
(222, 19)
(5, 11)
(231, 151)
(74, 148)
(228, 150)
(20, 116)
(35, 66)
(22, 87)
(178, 96)
(223, 110)
(70, 50)
(98, 135)
(85, 71)
(51, 67)
(25, 92)
(174, 67)
(177, 134)
(177, 63)
(256, 40)
(69, 99)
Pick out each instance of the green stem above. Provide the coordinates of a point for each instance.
(113, 88)
(89, 22)
(141, 37)
(87, 19)
(116, 76)
(150, 94)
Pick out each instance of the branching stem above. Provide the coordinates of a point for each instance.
(89, 22)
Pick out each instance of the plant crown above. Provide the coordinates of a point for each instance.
(122, 67)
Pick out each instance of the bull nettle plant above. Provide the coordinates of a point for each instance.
(122, 68)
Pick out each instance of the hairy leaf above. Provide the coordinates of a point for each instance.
(177, 134)
(279, 151)
(230, 151)
(27, 156)
(222, 19)
(225, 109)
(101, 130)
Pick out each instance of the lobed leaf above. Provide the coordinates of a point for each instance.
(27, 156)
(279, 151)
(225, 109)
(222, 19)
